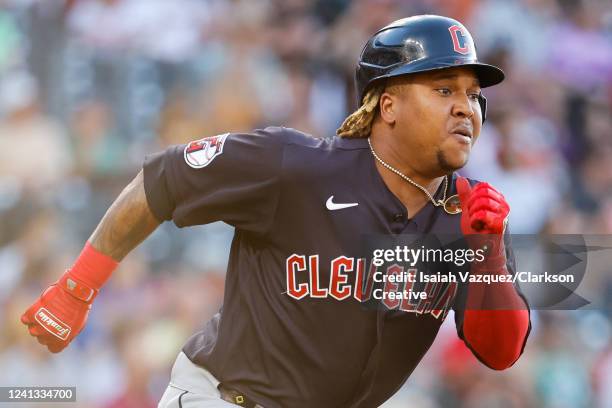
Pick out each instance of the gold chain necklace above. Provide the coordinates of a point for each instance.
(450, 205)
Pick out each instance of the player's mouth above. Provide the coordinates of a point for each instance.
(462, 133)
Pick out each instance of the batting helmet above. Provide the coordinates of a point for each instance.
(419, 44)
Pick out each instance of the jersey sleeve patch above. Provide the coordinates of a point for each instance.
(200, 153)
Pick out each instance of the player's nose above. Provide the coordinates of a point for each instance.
(462, 108)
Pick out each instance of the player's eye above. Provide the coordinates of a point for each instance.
(443, 91)
(474, 96)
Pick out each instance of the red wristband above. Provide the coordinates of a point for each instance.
(88, 274)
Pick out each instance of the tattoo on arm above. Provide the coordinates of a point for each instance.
(127, 222)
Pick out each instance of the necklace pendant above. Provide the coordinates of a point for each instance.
(452, 205)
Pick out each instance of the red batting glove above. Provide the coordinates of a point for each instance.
(56, 318)
(61, 312)
(484, 210)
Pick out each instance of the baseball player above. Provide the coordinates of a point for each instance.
(293, 330)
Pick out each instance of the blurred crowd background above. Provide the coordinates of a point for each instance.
(89, 87)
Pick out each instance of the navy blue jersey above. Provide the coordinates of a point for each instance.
(292, 331)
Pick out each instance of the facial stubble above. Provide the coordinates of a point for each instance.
(445, 165)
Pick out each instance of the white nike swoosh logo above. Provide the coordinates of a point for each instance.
(335, 206)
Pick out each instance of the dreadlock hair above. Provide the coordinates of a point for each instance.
(359, 123)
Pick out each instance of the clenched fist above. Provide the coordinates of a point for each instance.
(59, 315)
(484, 215)
(484, 210)
(61, 312)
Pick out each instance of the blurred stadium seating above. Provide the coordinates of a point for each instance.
(89, 87)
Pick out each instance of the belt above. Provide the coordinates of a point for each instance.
(236, 397)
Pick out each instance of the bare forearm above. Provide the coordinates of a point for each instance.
(127, 222)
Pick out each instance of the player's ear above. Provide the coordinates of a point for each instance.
(388, 107)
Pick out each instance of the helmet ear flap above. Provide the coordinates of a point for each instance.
(482, 100)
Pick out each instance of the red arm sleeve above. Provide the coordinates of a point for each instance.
(496, 336)
(496, 322)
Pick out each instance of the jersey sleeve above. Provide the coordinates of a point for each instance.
(232, 177)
